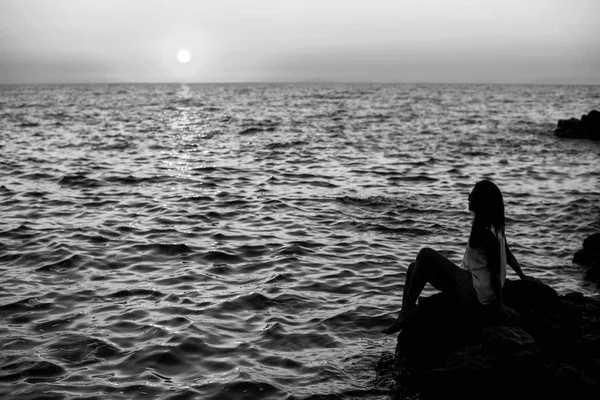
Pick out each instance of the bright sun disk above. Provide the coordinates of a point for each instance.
(184, 56)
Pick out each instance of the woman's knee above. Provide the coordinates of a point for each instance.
(411, 268)
(425, 253)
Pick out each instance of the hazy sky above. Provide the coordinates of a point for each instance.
(498, 41)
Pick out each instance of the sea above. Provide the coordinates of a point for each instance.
(250, 241)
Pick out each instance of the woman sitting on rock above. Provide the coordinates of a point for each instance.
(478, 283)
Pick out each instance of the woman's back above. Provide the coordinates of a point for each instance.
(476, 261)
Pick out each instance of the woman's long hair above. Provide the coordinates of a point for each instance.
(488, 205)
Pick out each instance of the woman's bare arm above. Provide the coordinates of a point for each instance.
(492, 253)
(514, 264)
(512, 261)
(491, 247)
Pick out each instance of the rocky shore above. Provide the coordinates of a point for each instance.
(552, 351)
(589, 258)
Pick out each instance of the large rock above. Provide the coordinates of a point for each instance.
(588, 127)
(507, 362)
(553, 350)
(589, 257)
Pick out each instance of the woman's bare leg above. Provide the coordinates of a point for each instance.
(409, 272)
(404, 311)
(430, 267)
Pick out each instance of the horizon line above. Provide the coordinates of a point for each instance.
(305, 81)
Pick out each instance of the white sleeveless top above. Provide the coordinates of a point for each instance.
(475, 261)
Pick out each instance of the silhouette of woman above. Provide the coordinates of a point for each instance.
(478, 283)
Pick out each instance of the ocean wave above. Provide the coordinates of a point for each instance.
(79, 180)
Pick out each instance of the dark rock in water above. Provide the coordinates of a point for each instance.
(589, 257)
(552, 351)
(586, 128)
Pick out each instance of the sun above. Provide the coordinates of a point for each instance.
(184, 56)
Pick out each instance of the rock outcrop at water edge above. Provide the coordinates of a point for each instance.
(589, 257)
(588, 127)
(552, 351)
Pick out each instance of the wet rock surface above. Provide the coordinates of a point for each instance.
(589, 257)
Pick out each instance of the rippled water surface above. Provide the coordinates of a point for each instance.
(250, 241)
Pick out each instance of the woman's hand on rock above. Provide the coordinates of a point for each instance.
(530, 278)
